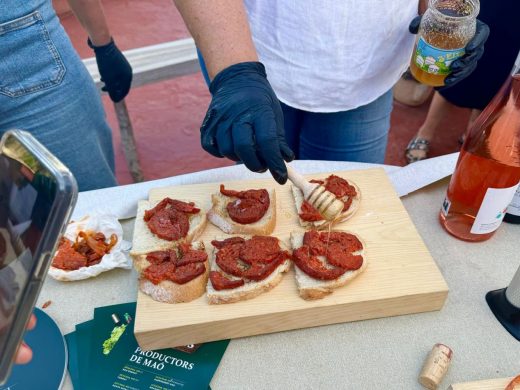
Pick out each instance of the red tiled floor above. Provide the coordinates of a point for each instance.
(166, 116)
(404, 124)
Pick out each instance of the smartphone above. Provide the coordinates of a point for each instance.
(37, 195)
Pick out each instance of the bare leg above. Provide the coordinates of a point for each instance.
(439, 109)
(410, 92)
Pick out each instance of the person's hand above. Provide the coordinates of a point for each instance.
(24, 353)
(114, 69)
(244, 121)
(465, 65)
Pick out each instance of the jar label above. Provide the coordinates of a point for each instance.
(514, 207)
(433, 60)
(493, 209)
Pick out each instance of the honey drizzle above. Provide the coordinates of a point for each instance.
(328, 239)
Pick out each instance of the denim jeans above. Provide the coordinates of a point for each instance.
(358, 135)
(46, 90)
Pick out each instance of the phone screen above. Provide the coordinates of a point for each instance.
(27, 194)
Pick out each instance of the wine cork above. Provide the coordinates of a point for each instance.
(435, 366)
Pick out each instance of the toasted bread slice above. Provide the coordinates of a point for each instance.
(171, 292)
(144, 241)
(320, 225)
(219, 216)
(250, 289)
(310, 288)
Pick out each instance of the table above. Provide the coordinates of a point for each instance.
(383, 353)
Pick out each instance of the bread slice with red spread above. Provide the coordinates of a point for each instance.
(345, 190)
(244, 212)
(324, 261)
(175, 275)
(243, 267)
(169, 227)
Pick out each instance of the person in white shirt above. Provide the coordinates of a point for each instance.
(330, 64)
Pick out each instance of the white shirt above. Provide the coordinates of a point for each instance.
(336, 55)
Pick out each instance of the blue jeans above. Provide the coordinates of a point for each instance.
(359, 135)
(46, 90)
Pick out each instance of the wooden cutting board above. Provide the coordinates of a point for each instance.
(401, 276)
(488, 384)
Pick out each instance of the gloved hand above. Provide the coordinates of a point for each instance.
(465, 65)
(244, 121)
(114, 69)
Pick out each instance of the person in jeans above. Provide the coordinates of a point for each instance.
(330, 66)
(45, 88)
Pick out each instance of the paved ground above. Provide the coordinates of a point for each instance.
(167, 116)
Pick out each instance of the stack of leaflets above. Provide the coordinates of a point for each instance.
(104, 354)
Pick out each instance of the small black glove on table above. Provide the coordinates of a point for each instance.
(114, 69)
(244, 121)
(465, 65)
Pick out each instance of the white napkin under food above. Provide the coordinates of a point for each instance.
(116, 258)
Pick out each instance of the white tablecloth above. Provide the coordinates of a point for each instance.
(383, 353)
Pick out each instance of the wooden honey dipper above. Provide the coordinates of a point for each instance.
(317, 195)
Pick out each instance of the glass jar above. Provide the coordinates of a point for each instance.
(446, 28)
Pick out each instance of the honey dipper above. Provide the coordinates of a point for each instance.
(317, 195)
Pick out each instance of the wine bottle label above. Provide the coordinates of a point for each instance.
(446, 206)
(514, 207)
(434, 60)
(492, 209)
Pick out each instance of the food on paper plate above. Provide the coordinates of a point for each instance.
(244, 212)
(88, 250)
(90, 245)
(325, 261)
(165, 226)
(175, 275)
(347, 191)
(243, 267)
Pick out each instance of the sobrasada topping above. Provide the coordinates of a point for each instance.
(179, 268)
(250, 206)
(88, 249)
(169, 218)
(220, 282)
(336, 247)
(339, 187)
(253, 259)
(309, 213)
(514, 384)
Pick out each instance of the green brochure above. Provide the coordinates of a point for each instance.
(73, 367)
(117, 362)
(83, 350)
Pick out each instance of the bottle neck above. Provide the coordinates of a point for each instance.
(495, 134)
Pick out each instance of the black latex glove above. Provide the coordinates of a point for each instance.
(465, 65)
(244, 121)
(114, 69)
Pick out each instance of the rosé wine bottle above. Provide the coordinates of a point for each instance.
(488, 169)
